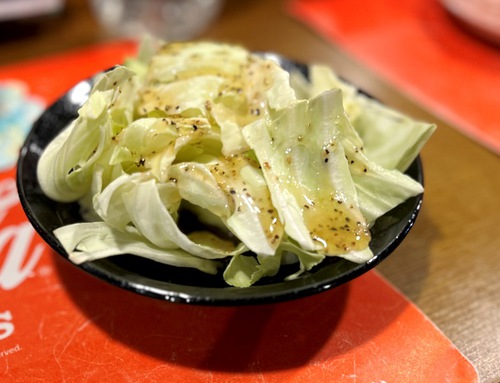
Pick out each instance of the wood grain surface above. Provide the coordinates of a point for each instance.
(449, 265)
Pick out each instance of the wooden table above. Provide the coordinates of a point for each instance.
(450, 263)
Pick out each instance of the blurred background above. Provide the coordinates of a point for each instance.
(57, 25)
(49, 26)
(32, 28)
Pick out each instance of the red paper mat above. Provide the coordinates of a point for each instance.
(59, 324)
(419, 48)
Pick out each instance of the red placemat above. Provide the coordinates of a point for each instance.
(59, 324)
(419, 48)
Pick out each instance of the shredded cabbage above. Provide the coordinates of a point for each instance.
(269, 164)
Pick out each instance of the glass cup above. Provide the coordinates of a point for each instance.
(170, 20)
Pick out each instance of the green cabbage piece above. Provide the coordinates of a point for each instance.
(390, 138)
(89, 241)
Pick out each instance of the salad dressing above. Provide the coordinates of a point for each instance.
(243, 195)
(333, 225)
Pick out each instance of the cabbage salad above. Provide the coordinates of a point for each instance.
(267, 167)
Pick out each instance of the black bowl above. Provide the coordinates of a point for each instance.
(186, 285)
